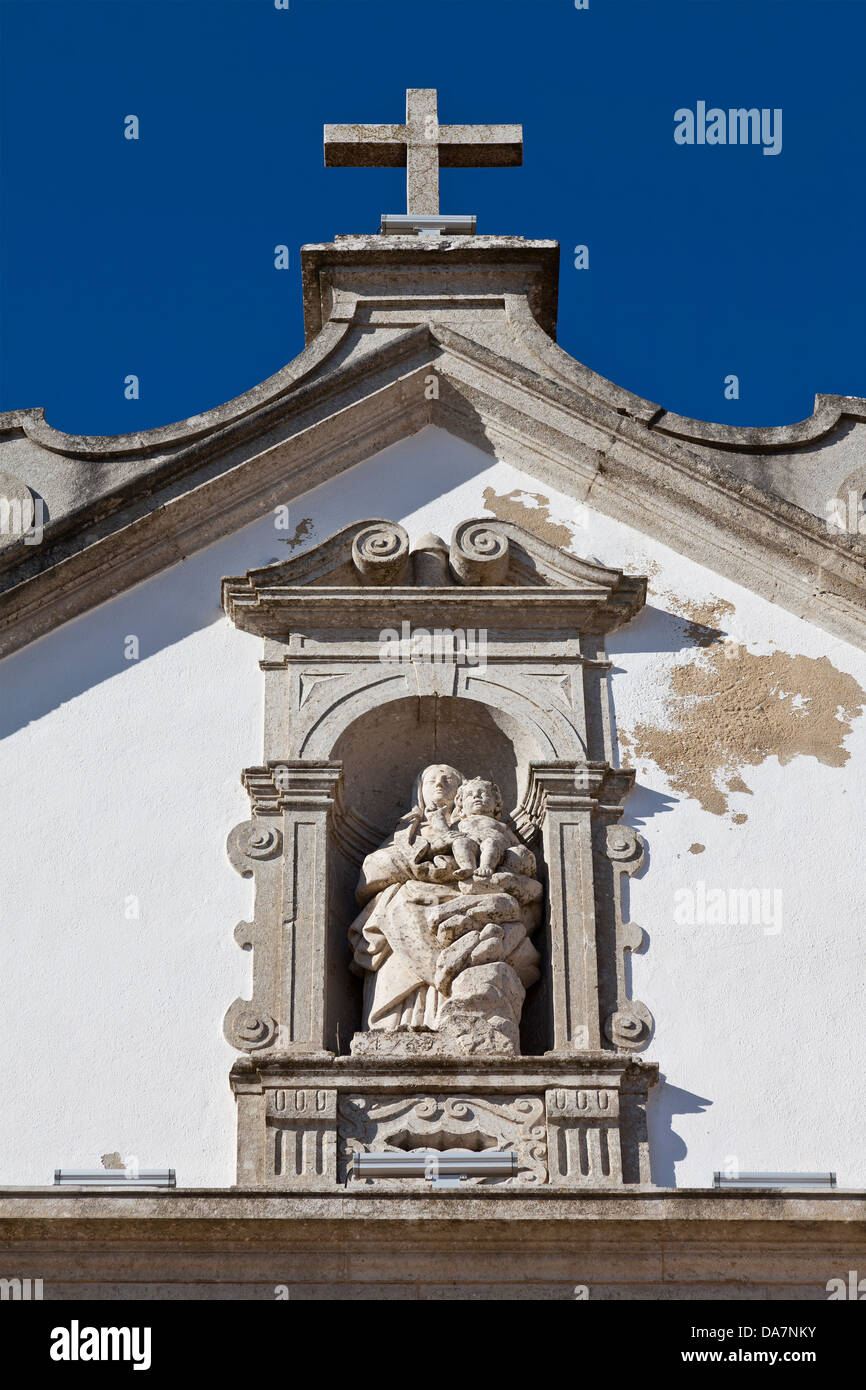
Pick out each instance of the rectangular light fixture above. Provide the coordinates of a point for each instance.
(421, 224)
(787, 1182)
(113, 1177)
(435, 1166)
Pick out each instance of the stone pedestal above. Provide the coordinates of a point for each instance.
(572, 1121)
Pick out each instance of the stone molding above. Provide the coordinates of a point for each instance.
(523, 1242)
(360, 385)
(314, 588)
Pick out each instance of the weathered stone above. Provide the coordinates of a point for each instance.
(422, 144)
(487, 1243)
(420, 1090)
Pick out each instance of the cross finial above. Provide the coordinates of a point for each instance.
(422, 145)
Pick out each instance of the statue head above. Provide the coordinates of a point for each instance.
(478, 797)
(436, 787)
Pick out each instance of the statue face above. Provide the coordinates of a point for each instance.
(479, 798)
(439, 786)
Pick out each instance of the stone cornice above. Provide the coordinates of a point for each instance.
(535, 586)
(214, 1213)
(325, 1069)
(141, 502)
(288, 784)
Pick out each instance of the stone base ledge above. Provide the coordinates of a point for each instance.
(494, 1246)
(397, 1201)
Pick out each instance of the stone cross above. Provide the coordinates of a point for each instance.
(422, 145)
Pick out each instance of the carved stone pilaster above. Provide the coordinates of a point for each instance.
(287, 1136)
(288, 935)
(563, 799)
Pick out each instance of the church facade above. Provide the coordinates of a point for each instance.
(436, 751)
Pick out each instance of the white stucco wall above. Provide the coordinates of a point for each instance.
(117, 902)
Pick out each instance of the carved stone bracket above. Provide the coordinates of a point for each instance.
(251, 1023)
(584, 1130)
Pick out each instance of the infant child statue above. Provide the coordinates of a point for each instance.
(483, 844)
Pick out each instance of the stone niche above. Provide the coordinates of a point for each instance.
(439, 944)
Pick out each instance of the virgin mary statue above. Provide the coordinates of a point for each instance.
(420, 927)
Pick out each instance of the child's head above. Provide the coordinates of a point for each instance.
(478, 797)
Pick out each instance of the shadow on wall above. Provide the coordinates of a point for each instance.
(666, 1147)
(656, 630)
(186, 598)
(641, 805)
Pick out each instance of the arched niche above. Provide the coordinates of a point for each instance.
(533, 705)
(383, 750)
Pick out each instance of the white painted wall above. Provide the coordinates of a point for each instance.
(122, 782)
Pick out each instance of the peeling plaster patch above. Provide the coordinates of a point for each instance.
(725, 712)
(702, 619)
(696, 849)
(740, 818)
(625, 746)
(532, 510)
(736, 784)
(302, 531)
(112, 1161)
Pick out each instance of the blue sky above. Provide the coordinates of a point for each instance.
(155, 257)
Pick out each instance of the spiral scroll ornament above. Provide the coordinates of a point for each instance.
(252, 840)
(631, 1027)
(380, 552)
(625, 847)
(479, 554)
(264, 842)
(246, 1029)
